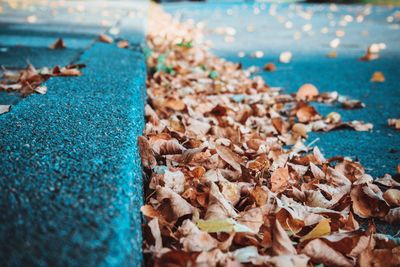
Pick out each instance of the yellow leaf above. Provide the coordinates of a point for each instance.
(321, 229)
(222, 225)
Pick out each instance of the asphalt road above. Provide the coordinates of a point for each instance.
(306, 30)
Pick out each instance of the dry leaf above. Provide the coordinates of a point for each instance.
(289, 261)
(395, 123)
(368, 201)
(332, 54)
(146, 153)
(307, 113)
(392, 197)
(307, 91)
(58, 44)
(175, 104)
(393, 216)
(377, 77)
(321, 229)
(320, 252)
(229, 157)
(194, 239)
(279, 179)
(226, 225)
(281, 243)
(123, 44)
(4, 108)
(176, 204)
(155, 230)
(270, 67)
(166, 147)
(218, 206)
(105, 38)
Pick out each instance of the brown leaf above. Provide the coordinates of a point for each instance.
(229, 157)
(105, 38)
(155, 230)
(393, 216)
(58, 44)
(378, 77)
(395, 123)
(176, 205)
(307, 91)
(289, 261)
(175, 104)
(279, 179)
(218, 206)
(320, 252)
(387, 180)
(352, 104)
(307, 113)
(194, 239)
(177, 258)
(252, 218)
(166, 147)
(368, 201)
(332, 54)
(392, 197)
(281, 243)
(146, 153)
(270, 67)
(123, 44)
(300, 129)
(379, 257)
(352, 170)
(68, 72)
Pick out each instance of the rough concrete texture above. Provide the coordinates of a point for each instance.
(71, 180)
(70, 174)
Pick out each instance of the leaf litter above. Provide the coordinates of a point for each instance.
(29, 80)
(231, 181)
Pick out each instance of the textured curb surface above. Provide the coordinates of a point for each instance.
(70, 173)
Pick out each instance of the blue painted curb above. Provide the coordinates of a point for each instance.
(70, 175)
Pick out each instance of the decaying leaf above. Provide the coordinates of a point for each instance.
(58, 44)
(307, 92)
(279, 179)
(392, 197)
(105, 38)
(4, 109)
(395, 123)
(123, 44)
(232, 181)
(321, 229)
(226, 225)
(270, 67)
(174, 202)
(378, 77)
(281, 243)
(229, 156)
(320, 252)
(146, 153)
(218, 206)
(393, 216)
(368, 201)
(194, 239)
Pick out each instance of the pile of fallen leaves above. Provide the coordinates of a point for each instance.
(230, 181)
(29, 80)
